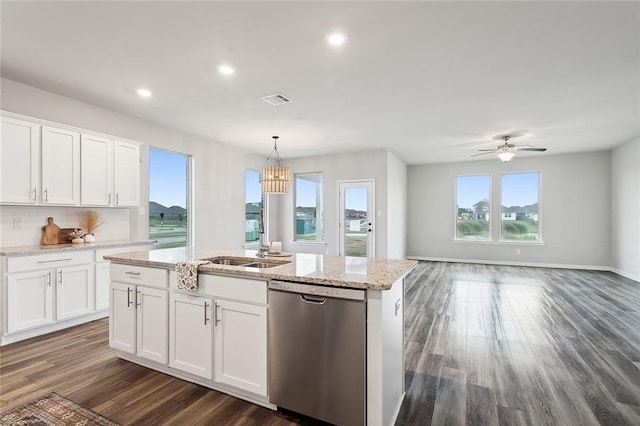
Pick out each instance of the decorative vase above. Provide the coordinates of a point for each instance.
(89, 238)
(77, 240)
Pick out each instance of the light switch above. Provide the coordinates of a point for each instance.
(379, 213)
(141, 211)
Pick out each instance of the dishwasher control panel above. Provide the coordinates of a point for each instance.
(317, 290)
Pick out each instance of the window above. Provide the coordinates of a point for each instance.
(253, 206)
(520, 219)
(168, 198)
(473, 209)
(308, 205)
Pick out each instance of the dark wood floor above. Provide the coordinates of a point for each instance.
(509, 345)
(485, 345)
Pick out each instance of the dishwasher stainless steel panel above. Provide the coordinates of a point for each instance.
(317, 351)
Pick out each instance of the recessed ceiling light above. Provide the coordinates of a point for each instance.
(226, 69)
(144, 93)
(336, 39)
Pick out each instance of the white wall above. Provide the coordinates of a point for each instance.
(396, 207)
(219, 169)
(575, 211)
(359, 165)
(625, 209)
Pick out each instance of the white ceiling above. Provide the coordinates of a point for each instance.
(431, 81)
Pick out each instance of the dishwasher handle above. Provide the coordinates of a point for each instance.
(316, 300)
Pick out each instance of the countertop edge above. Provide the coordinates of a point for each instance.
(58, 248)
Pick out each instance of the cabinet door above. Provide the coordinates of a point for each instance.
(60, 166)
(122, 320)
(74, 291)
(19, 161)
(240, 345)
(191, 334)
(29, 300)
(102, 286)
(126, 174)
(152, 320)
(96, 170)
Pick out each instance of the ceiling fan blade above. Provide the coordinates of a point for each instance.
(533, 149)
(488, 150)
(484, 153)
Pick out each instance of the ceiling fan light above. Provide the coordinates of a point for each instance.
(506, 155)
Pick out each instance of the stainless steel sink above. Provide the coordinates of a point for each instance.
(262, 265)
(227, 261)
(246, 262)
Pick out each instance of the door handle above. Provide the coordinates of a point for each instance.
(46, 195)
(129, 297)
(49, 278)
(60, 276)
(35, 194)
(206, 305)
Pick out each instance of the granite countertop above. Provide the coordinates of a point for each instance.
(41, 249)
(352, 272)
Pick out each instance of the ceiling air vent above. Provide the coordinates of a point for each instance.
(277, 99)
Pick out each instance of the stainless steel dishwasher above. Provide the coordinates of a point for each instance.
(317, 351)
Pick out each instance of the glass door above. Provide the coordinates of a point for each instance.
(357, 232)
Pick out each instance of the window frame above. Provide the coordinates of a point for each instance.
(264, 208)
(319, 197)
(189, 203)
(455, 207)
(539, 240)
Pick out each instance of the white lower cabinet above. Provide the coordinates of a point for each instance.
(29, 300)
(240, 345)
(102, 286)
(74, 291)
(138, 322)
(191, 334)
(32, 296)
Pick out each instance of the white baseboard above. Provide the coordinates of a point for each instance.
(626, 274)
(530, 264)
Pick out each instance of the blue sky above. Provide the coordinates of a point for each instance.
(518, 189)
(167, 178)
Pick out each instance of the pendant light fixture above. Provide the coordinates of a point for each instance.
(275, 178)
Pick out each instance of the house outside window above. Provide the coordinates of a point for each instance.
(308, 218)
(253, 206)
(473, 208)
(520, 219)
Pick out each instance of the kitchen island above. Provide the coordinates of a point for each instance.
(218, 335)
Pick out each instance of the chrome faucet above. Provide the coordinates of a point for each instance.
(263, 248)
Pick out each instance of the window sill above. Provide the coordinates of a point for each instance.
(309, 243)
(501, 242)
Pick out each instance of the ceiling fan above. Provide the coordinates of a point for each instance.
(507, 150)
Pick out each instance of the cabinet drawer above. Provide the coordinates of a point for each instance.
(46, 261)
(101, 253)
(244, 289)
(153, 277)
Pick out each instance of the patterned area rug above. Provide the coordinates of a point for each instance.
(53, 410)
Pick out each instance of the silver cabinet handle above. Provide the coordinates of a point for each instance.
(138, 298)
(129, 297)
(216, 317)
(60, 276)
(313, 299)
(117, 199)
(35, 194)
(49, 278)
(206, 305)
(46, 195)
(134, 274)
(54, 260)
(109, 202)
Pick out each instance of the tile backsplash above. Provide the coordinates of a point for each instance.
(31, 219)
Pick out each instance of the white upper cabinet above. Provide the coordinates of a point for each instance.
(60, 166)
(126, 174)
(19, 161)
(96, 170)
(45, 164)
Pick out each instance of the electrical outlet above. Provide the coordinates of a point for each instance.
(18, 222)
(517, 251)
(141, 211)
